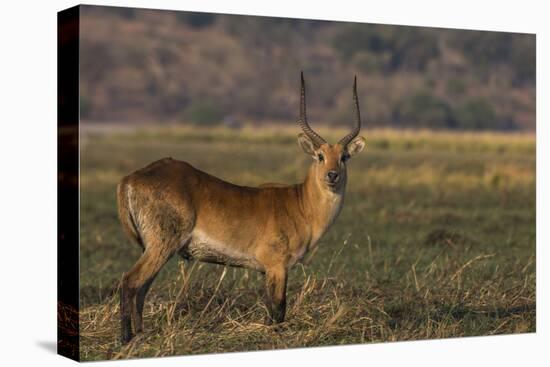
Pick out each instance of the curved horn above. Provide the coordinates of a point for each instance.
(348, 138)
(315, 138)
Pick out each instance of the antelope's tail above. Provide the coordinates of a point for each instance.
(125, 213)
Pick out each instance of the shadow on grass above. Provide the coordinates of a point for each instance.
(400, 314)
(460, 312)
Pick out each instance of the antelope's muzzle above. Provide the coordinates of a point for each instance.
(332, 177)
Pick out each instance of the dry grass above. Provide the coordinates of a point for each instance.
(326, 310)
(436, 239)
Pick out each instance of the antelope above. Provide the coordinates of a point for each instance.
(171, 207)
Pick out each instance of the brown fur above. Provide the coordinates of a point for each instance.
(165, 205)
(171, 207)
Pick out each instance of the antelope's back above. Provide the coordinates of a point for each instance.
(174, 191)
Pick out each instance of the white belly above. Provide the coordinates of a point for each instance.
(205, 248)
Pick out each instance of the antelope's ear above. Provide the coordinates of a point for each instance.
(356, 145)
(306, 144)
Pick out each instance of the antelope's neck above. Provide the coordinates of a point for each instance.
(321, 205)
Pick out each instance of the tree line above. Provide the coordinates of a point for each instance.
(212, 68)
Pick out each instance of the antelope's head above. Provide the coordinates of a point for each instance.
(329, 168)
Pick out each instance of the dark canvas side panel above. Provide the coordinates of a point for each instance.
(67, 183)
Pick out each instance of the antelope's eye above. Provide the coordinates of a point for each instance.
(345, 157)
(320, 157)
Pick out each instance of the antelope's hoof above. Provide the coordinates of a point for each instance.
(126, 338)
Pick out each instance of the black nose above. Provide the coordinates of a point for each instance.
(332, 176)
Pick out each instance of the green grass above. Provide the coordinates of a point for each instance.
(436, 239)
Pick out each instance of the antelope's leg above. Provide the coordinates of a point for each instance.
(126, 298)
(134, 281)
(140, 301)
(276, 294)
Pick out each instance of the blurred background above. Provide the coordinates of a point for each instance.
(151, 66)
(437, 235)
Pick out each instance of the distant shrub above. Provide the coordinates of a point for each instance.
(523, 60)
(409, 48)
(126, 13)
(203, 112)
(371, 63)
(413, 48)
(196, 20)
(486, 49)
(456, 87)
(358, 37)
(423, 109)
(476, 114)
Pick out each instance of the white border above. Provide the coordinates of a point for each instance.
(28, 181)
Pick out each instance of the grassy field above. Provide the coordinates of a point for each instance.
(436, 239)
